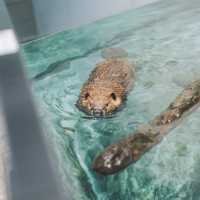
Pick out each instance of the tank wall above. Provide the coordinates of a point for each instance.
(33, 18)
(58, 15)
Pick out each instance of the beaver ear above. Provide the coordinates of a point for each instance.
(113, 95)
(86, 95)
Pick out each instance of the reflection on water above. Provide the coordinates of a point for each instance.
(163, 39)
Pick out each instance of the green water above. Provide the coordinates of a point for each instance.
(163, 39)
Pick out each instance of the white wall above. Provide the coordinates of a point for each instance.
(56, 15)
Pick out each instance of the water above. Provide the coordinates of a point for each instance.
(163, 39)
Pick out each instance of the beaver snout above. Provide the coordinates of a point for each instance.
(98, 112)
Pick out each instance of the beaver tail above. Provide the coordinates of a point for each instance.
(117, 52)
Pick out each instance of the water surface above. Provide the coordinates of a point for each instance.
(163, 39)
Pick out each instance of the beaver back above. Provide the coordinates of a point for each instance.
(118, 71)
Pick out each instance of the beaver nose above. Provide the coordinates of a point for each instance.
(98, 112)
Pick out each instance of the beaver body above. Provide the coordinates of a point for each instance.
(116, 71)
(106, 89)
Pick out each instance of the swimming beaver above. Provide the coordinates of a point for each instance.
(108, 84)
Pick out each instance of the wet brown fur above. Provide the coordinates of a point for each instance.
(107, 86)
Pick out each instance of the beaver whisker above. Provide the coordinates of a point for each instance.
(99, 117)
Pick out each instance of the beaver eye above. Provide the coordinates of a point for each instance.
(113, 95)
(86, 95)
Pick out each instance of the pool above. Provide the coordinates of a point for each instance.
(163, 39)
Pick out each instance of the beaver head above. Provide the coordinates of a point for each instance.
(101, 99)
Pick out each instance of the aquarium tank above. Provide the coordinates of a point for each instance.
(163, 40)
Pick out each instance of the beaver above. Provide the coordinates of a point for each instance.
(108, 84)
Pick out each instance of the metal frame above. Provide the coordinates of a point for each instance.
(32, 176)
